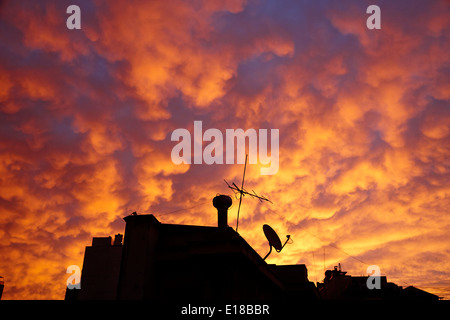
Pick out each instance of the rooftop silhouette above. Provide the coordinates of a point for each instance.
(157, 261)
(337, 285)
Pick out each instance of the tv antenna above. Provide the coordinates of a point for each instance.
(242, 192)
(274, 240)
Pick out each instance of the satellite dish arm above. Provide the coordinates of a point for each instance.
(287, 239)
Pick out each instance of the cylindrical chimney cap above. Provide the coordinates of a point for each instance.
(222, 202)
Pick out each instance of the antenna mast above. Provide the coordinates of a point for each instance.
(243, 192)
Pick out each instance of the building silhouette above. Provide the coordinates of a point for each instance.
(337, 285)
(157, 261)
(160, 261)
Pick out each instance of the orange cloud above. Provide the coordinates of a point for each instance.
(86, 117)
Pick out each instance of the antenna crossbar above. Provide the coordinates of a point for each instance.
(242, 191)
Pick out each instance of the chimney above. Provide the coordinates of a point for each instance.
(222, 203)
(118, 239)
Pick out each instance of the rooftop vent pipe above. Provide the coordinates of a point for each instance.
(222, 203)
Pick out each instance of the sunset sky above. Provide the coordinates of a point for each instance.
(86, 118)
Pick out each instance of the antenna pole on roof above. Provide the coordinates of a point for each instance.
(243, 192)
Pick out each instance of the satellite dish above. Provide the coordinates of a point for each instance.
(272, 237)
(274, 240)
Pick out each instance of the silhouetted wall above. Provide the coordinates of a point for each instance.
(101, 268)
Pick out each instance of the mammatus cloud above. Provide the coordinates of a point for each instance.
(363, 115)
